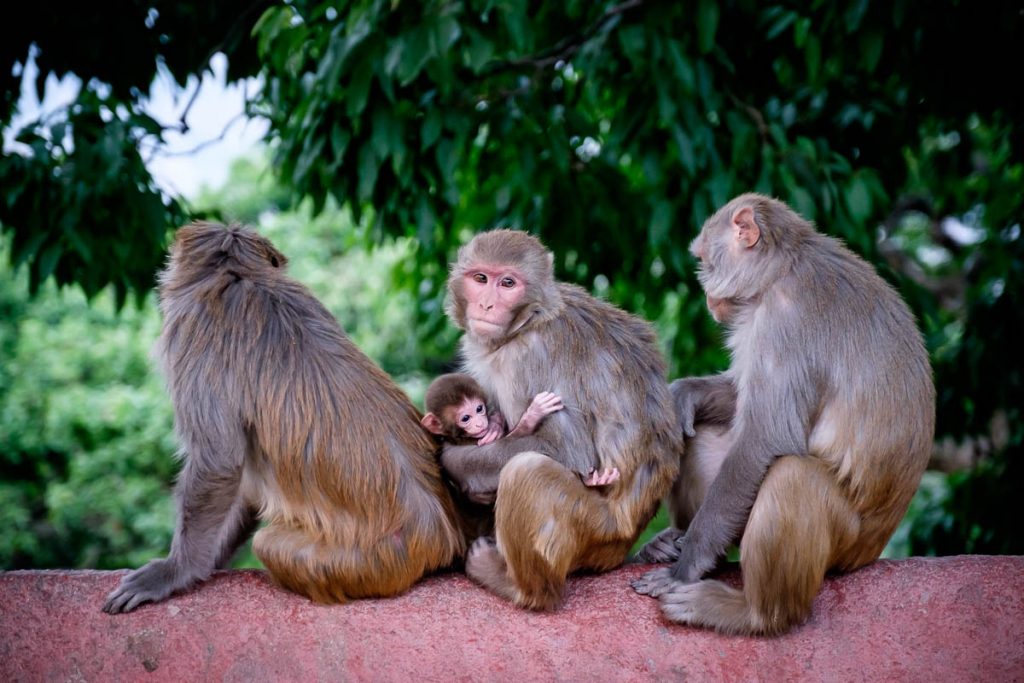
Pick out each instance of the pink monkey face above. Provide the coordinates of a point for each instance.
(493, 295)
(471, 417)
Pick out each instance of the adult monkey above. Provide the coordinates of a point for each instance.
(815, 438)
(525, 333)
(280, 415)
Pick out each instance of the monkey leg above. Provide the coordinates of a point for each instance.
(801, 522)
(241, 522)
(209, 513)
(547, 525)
(698, 467)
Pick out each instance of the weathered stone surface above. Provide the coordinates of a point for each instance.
(923, 619)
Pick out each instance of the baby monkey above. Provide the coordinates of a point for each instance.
(457, 410)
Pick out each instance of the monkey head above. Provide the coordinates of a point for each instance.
(202, 248)
(500, 280)
(745, 246)
(455, 407)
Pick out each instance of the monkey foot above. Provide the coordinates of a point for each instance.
(679, 602)
(661, 548)
(483, 561)
(655, 583)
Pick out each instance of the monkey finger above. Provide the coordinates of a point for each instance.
(603, 477)
(552, 406)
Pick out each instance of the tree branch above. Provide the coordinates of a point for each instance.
(567, 47)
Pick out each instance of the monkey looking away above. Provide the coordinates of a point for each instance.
(456, 409)
(282, 419)
(808, 449)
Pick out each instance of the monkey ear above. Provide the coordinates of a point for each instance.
(748, 232)
(432, 424)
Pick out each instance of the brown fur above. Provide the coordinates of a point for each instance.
(606, 366)
(810, 447)
(280, 415)
(444, 394)
(448, 390)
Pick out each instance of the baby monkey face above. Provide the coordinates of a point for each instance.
(470, 416)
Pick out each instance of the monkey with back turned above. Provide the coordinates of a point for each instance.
(282, 419)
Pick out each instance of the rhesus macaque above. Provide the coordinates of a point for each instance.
(281, 418)
(457, 410)
(524, 333)
(808, 449)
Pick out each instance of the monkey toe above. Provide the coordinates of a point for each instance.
(654, 583)
(679, 604)
(481, 549)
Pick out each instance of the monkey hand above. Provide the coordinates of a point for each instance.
(661, 548)
(655, 583)
(686, 398)
(545, 403)
(492, 434)
(604, 477)
(495, 428)
(152, 582)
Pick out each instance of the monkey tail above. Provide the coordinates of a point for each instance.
(800, 525)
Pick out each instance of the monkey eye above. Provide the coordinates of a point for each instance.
(508, 282)
(464, 419)
(480, 277)
(273, 261)
(480, 408)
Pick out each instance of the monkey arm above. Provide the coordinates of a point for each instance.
(476, 468)
(724, 512)
(710, 399)
(773, 425)
(543, 404)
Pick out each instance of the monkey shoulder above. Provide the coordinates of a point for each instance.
(587, 314)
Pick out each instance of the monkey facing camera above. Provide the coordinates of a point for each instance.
(808, 449)
(527, 333)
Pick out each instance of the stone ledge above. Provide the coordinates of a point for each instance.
(939, 619)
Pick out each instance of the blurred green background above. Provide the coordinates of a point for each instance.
(396, 130)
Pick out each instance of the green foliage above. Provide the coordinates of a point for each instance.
(76, 196)
(86, 439)
(610, 129)
(85, 432)
(81, 205)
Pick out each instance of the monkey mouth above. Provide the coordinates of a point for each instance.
(484, 327)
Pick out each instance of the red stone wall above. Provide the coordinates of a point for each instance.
(923, 619)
